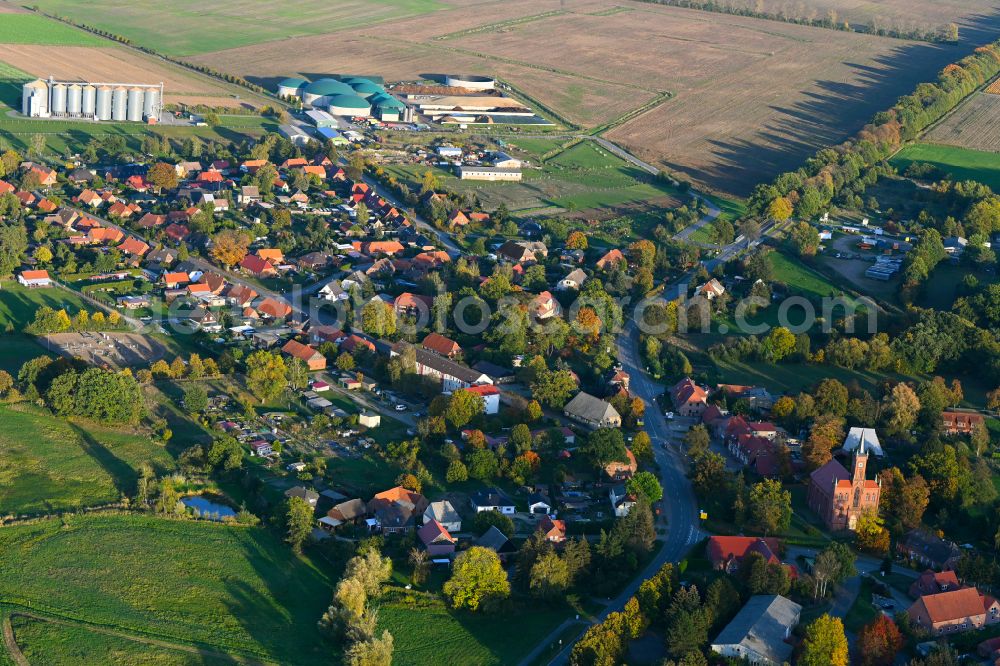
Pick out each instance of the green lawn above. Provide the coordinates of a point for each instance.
(48, 463)
(230, 589)
(426, 632)
(188, 27)
(960, 163)
(44, 642)
(35, 29)
(18, 304)
(800, 278)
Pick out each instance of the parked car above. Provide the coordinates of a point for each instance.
(400, 407)
(670, 416)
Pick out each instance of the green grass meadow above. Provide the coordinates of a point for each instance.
(426, 632)
(35, 29)
(959, 163)
(50, 464)
(46, 642)
(189, 27)
(228, 589)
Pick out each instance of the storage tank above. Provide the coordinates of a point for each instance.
(88, 101)
(103, 108)
(119, 104)
(35, 98)
(74, 100)
(134, 112)
(59, 100)
(151, 103)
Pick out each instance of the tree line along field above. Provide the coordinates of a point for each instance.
(974, 124)
(66, 464)
(958, 163)
(224, 588)
(742, 98)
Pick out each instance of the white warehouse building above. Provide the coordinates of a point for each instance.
(133, 102)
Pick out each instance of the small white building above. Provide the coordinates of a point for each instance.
(448, 151)
(493, 174)
(369, 420)
(34, 278)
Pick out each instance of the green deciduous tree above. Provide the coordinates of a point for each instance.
(478, 580)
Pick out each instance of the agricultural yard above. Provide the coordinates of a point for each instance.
(67, 465)
(227, 589)
(724, 122)
(959, 163)
(975, 124)
(584, 180)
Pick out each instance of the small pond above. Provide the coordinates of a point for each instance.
(208, 508)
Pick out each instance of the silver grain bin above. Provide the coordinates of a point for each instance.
(134, 112)
(74, 100)
(58, 100)
(88, 101)
(103, 109)
(35, 98)
(151, 103)
(119, 104)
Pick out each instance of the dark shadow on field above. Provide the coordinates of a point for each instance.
(833, 112)
(293, 598)
(121, 472)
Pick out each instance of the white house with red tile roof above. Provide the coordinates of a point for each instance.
(34, 278)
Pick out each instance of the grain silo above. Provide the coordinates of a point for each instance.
(151, 103)
(103, 110)
(119, 103)
(59, 99)
(74, 99)
(35, 98)
(134, 111)
(88, 101)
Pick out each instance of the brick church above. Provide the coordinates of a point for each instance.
(839, 496)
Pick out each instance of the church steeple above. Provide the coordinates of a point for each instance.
(860, 465)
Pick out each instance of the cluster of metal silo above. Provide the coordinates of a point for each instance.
(100, 101)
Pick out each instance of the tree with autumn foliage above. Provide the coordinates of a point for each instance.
(162, 176)
(879, 642)
(576, 241)
(826, 434)
(780, 209)
(825, 643)
(230, 246)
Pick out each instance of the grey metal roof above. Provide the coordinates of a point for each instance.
(589, 408)
(762, 625)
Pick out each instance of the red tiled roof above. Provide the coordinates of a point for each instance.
(438, 343)
(953, 605)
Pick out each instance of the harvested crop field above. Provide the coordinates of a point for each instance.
(899, 16)
(109, 63)
(975, 124)
(744, 98)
